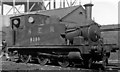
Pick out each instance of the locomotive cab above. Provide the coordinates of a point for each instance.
(34, 30)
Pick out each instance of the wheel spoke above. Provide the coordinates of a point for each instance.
(25, 58)
(90, 63)
(63, 63)
(42, 60)
(105, 61)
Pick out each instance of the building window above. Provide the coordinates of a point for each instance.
(81, 13)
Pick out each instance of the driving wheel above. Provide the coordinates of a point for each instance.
(42, 60)
(104, 61)
(63, 63)
(25, 58)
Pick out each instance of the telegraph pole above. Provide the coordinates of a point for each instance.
(2, 7)
(119, 32)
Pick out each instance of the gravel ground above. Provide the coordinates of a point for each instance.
(8, 65)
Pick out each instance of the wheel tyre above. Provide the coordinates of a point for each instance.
(90, 61)
(72, 64)
(105, 61)
(42, 61)
(25, 58)
(63, 63)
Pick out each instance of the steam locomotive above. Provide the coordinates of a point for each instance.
(45, 38)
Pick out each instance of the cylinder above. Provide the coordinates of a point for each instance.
(74, 55)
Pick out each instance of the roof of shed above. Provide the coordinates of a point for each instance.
(60, 12)
(110, 26)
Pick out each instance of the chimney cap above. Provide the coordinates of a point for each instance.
(89, 4)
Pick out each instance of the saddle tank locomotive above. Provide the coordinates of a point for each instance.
(35, 36)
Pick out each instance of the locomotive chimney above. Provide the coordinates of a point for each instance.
(88, 10)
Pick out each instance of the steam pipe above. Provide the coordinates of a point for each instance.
(54, 4)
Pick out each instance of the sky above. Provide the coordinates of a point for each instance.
(104, 11)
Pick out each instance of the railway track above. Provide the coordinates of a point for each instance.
(13, 66)
(7, 65)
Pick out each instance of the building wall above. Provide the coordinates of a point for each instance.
(110, 37)
(76, 17)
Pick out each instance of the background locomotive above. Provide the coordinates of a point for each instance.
(47, 39)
